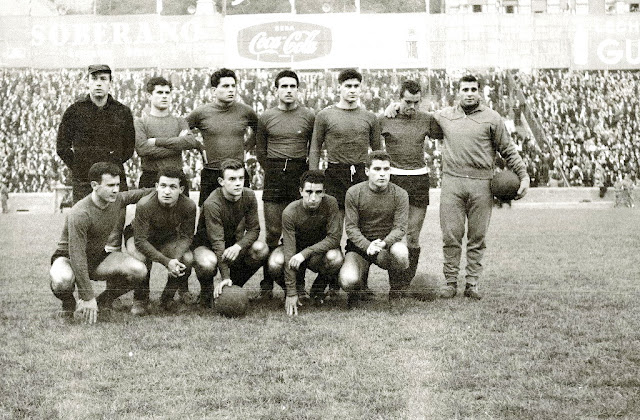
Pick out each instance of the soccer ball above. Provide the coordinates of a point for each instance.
(232, 302)
(505, 185)
(423, 287)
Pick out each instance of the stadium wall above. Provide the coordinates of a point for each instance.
(443, 41)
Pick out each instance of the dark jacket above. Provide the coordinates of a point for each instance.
(89, 134)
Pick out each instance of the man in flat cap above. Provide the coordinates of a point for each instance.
(97, 128)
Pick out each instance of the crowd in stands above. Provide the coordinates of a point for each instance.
(591, 117)
(591, 120)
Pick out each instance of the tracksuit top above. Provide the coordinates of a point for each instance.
(471, 142)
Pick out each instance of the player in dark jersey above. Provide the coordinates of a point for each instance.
(96, 128)
(223, 125)
(347, 131)
(160, 136)
(227, 235)
(161, 232)
(404, 138)
(282, 144)
(376, 213)
(311, 229)
(80, 256)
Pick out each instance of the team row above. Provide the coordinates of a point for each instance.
(226, 239)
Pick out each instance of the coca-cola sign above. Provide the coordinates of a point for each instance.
(279, 42)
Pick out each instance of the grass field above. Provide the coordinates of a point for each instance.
(556, 337)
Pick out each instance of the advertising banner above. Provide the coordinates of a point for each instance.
(600, 43)
(324, 41)
(122, 41)
(284, 42)
(332, 40)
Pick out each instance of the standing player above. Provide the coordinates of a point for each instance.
(160, 136)
(347, 131)
(223, 125)
(376, 213)
(404, 138)
(94, 129)
(282, 142)
(311, 229)
(162, 231)
(81, 257)
(473, 133)
(227, 235)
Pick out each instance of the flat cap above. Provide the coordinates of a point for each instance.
(99, 68)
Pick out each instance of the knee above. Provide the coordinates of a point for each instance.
(334, 260)
(62, 283)
(276, 262)
(187, 259)
(62, 277)
(399, 256)
(136, 270)
(204, 262)
(349, 278)
(259, 251)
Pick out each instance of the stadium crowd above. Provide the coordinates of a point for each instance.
(592, 122)
(592, 118)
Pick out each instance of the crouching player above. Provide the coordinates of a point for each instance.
(312, 228)
(161, 232)
(81, 257)
(376, 213)
(227, 234)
